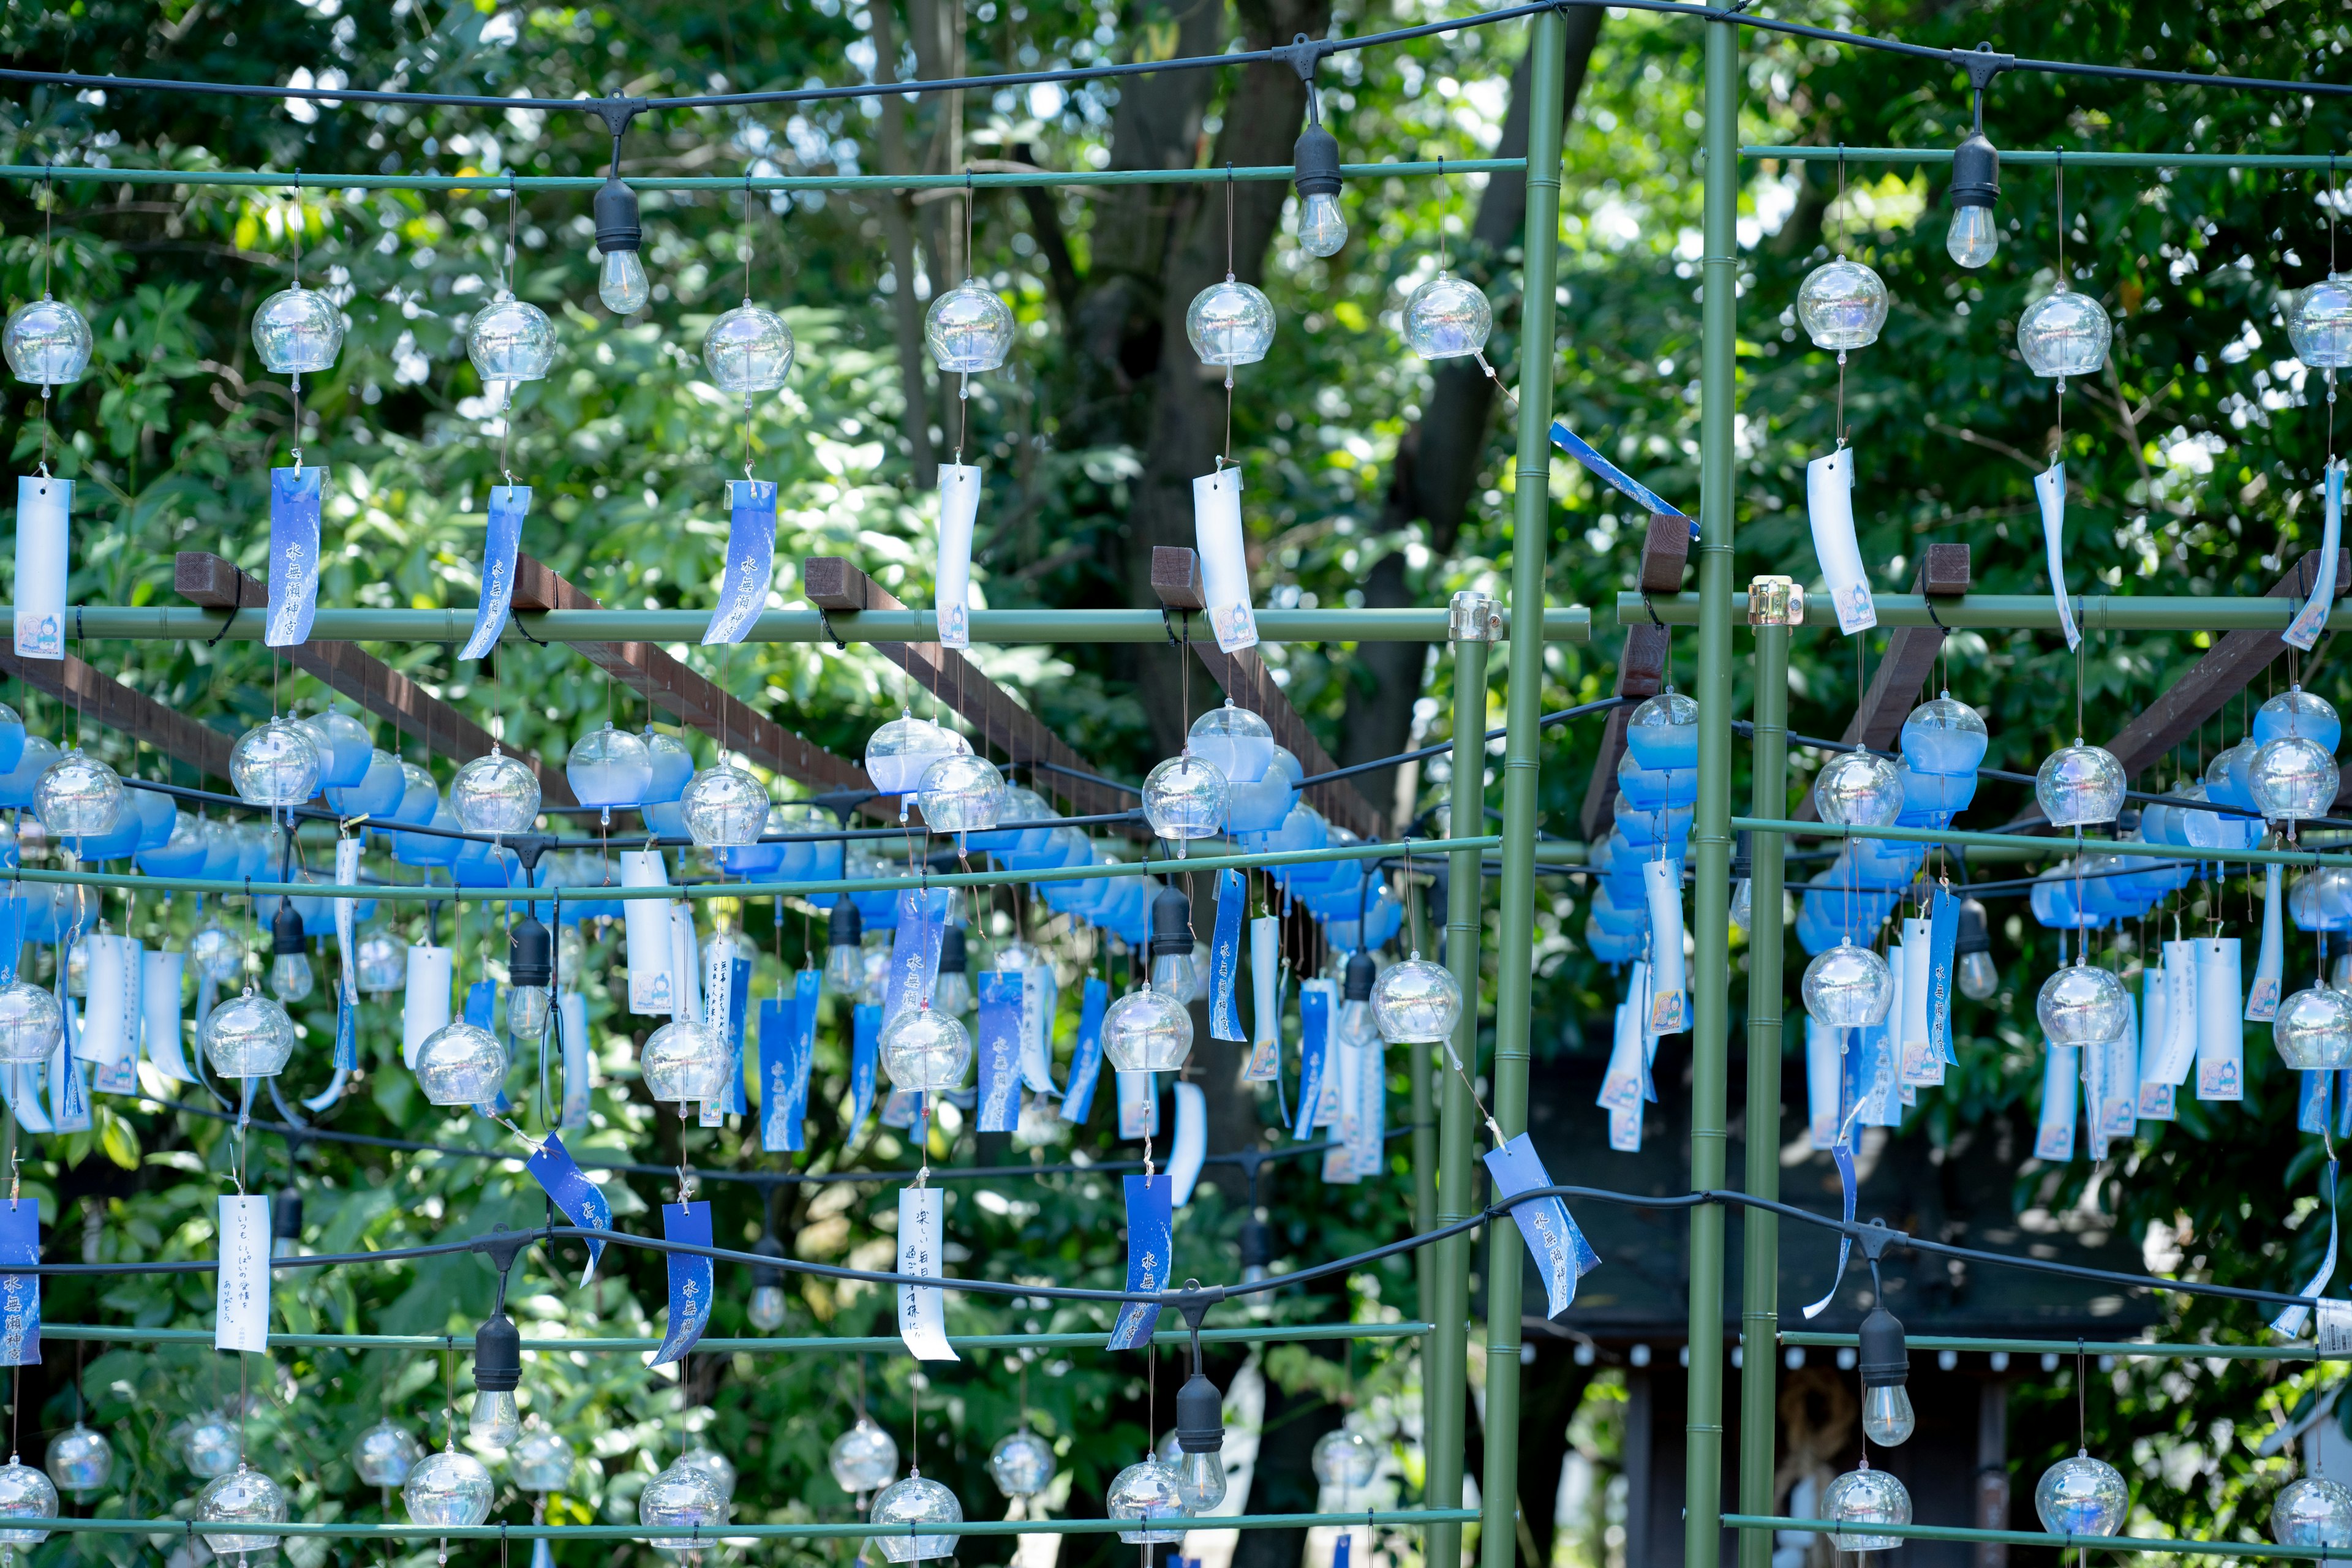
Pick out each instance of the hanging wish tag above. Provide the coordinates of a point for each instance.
(1562, 1254)
(159, 1000)
(1040, 998)
(1662, 887)
(959, 506)
(922, 1310)
(121, 1075)
(1921, 1064)
(106, 1016)
(1825, 1075)
(1617, 479)
(1085, 1054)
(1943, 943)
(690, 1281)
(241, 1319)
(1224, 568)
(2050, 489)
(2313, 1094)
(2178, 1051)
(685, 963)
(645, 926)
(2054, 1137)
(914, 954)
(559, 1175)
(424, 1005)
(1313, 1051)
(293, 554)
(1150, 1222)
(2334, 1334)
(1829, 500)
(2312, 619)
(999, 1050)
(1190, 1148)
(1225, 959)
(68, 1089)
(1343, 1067)
(20, 1294)
(865, 1060)
(1621, 1081)
(750, 560)
(1264, 1065)
(579, 1078)
(787, 1049)
(43, 506)
(2270, 960)
(347, 985)
(2220, 1021)
(509, 504)
(901, 1108)
(1138, 1104)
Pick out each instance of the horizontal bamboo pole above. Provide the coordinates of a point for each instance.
(2033, 1538)
(181, 1528)
(2138, 1348)
(2049, 844)
(2009, 612)
(2038, 158)
(864, 1345)
(1562, 622)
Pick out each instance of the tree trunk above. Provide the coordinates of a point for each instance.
(899, 237)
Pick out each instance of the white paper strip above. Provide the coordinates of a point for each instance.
(1824, 1066)
(1662, 887)
(347, 874)
(158, 1001)
(1921, 1063)
(1829, 500)
(424, 1005)
(1343, 1091)
(1038, 994)
(2050, 489)
(2155, 1022)
(685, 969)
(43, 506)
(922, 1312)
(2178, 1051)
(646, 922)
(121, 1076)
(718, 969)
(959, 505)
(242, 1320)
(2312, 619)
(579, 1078)
(2119, 1078)
(1191, 1148)
(2220, 1021)
(107, 1019)
(1224, 568)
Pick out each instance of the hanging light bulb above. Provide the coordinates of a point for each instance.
(1842, 305)
(1174, 972)
(1847, 987)
(2312, 1511)
(1978, 978)
(1886, 1365)
(493, 1421)
(497, 795)
(862, 1458)
(461, 1064)
(2079, 785)
(1146, 1492)
(621, 281)
(844, 968)
(766, 1310)
(289, 964)
(1974, 235)
(1147, 1031)
(1357, 1028)
(2081, 1496)
(1860, 1500)
(1200, 1441)
(1416, 1002)
(250, 1037)
(531, 978)
(384, 1454)
(48, 343)
(1321, 229)
(79, 1460)
(969, 330)
(925, 1051)
(243, 1497)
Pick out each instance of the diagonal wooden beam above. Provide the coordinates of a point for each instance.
(1910, 659)
(1641, 668)
(692, 700)
(832, 583)
(106, 700)
(218, 583)
(1176, 578)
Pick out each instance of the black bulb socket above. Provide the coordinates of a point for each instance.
(1976, 174)
(1200, 1415)
(1362, 973)
(844, 927)
(617, 224)
(1257, 1243)
(498, 1355)
(764, 1274)
(1884, 1360)
(955, 953)
(1315, 163)
(285, 929)
(286, 1215)
(1171, 923)
(530, 953)
(1975, 934)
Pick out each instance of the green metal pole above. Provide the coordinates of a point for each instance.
(1445, 1381)
(1760, 1315)
(1710, 839)
(1515, 959)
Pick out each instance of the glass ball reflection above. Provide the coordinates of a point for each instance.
(31, 1023)
(1859, 1499)
(2065, 333)
(968, 329)
(901, 752)
(461, 1064)
(209, 1446)
(448, 1490)
(1020, 1464)
(25, 1494)
(1147, 1031)
(275, 764)
(2313, 1030)
(2081, 1496)
(217, 953)
(2320, 324)
(1416, 1002)
(79, 1460)
(47, 342)
(1447, 318)
(902, 1510)
(2312, 1511)
(2079, 785)
(384, 1455)
(248, 1037)
(682, 1496)
(862, 1458)
(1186, 797)
(297, 333)
(1859, 789)
(383, 964)
(496, 794)
(1847, 987)
(542, 1459)
(2082, 1005)
(961, 793)
(925, 1050)
(683, 1062)
(747, 349)
(511, 341)
(244, 1495)
(724, 807)
(79, 797)
(1147, 1493)
(2292, 779)
(1230, 323)
(1345, 1458)
(1842, 305)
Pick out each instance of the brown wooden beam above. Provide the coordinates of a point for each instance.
(1176, 579)
(832, 583)
(1640, 672)
(1911, 651)
(218, 583)
(102, 698)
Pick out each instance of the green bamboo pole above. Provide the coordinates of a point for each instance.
(1710, 839)
(1530, 532)
(1759, 1312)
(2012, 612)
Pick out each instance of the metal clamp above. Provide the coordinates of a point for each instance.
(1472, 617)
(1775, 601)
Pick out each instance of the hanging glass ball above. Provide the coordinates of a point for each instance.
(903, 1508)
(31, 1023)
(1230, 323)
(344, 749)
(2312, 1511)
(672, 764)
(383, 964)
(925, 1050)
(77, 797)
(2320, 327)
(968, 329)
(724, 807)
(1859, 789)
(2292, 779)
(1847, 987)
(962, 794)
(702, 1456)
(1416, 1002)
(609, 767)
(79, 1460)
(1345, 1458)
(209, 1444)
(461, 1064)
(1022, 1463)
(1147, 1031)
(297, 333)
(683, 1062)
(1186, 797)
(25, 1494)
(244, 1495)
(2296, 712)
(2065, 333)
(1662, 732)
(384, 1454)
(2082, 1005)
(1447, 318)
(2081, 1496)
(248, 1037)
(1146, 1492)
(494, 793)
(902, 750)
(747, 349)
(1842, 304)
(1234, 741)
(48, 343)
(219, 952)
(449, 1489)
(510, 340)
(2313, 1030)
(682, 1496)
(1944, 737)
(275, 764)
(542, 1459)
(2079, 785)
(862, 1458)
(1860, 1498)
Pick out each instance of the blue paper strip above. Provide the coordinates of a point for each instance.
(1225, 959)
(864, 1058)
(346, 1033)
(1085, 1054)
(1841, 1153)
(690, 1281)
(1314, 1049)
(20, 1294)
(509, 504)
(1943, 938)
(2312, 1101)
(914, 954)
(559, 1175)
(999, 1049)
(481, 1003)
(750, 560)
(738, 1004)
(901, 1108)
(1149, 1221)
(1562, 1254)
(293, 555)
(2289, 1321)
(787, 1034)
(1568, 441)
(2344, 1103)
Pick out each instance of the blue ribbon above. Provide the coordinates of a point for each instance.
(1150, 1222)
(20, 1294)
(750, 560)
(787, 1041)
(68, 1096)
(559, 1175)
(1085, 1054)
(293, 555)
(1225, 959)
(690, 1281)
(2291, 1321)
(1313, 1045)
(509, 504)
(1561, 1253)
(914, 954)
(999, 1049)
(1568, 441)
(864, 1057)
(1943, 937)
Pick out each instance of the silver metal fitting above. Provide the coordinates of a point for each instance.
(1775, 601)
(1474, 618)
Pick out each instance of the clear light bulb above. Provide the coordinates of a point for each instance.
(1886, 1417)
(767, 1309)
(527, 1008)
(289, 976)
(1973, 238)
(1357, 1025)
(621, 283)
(1322, 227)
(494, 1421)
(1201, 1478)
(1177, 975)
(951, 994)
(844, 969)
(1978, 978)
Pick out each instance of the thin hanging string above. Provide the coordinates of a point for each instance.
(747, 244)
(2332, 196)
(915, 1424)
(2058, 155)
(1229, 278)
(48, 217)
(294, 380)
(506, 286)
(964, 385)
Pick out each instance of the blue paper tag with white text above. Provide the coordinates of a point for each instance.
(293, 554)
(559, 1175)
(1562, 1254)
(690, 1281)
(999, 1049)
(865, 1060)
(1085, 1054)
(1150, 1225)
(1314, 1050)
(20, 1294)
(509, 504)
(750, 560)
(1225, 959)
